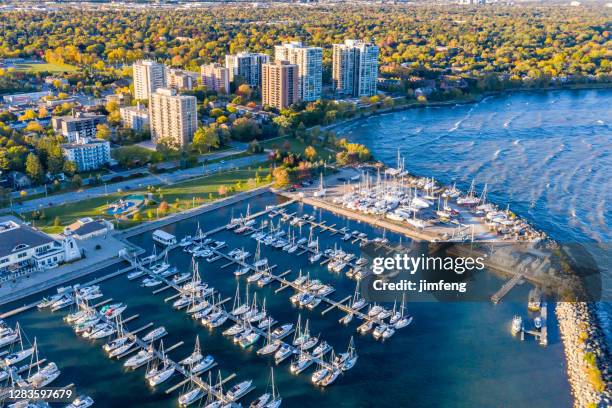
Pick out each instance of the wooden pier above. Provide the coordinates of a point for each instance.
(507, 287)
(262, 333)
(189, 377)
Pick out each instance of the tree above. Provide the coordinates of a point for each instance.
(205, 139)
(310, 153)
(5, 163)
(34, 169)
(34, 127)
(55, 161)
(245, 129)
(254, 147)
(245, 91)
(222, 190)
(57, 221)
(281, 177)
(163, 207)
(76, 181)
(29, 114)
(103, 131)
(70, 167)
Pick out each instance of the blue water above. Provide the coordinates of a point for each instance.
(453, 354)
(546, 154)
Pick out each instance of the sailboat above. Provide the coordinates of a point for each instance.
(43, 376)
(161, 371)
(320, 373)
(316, 256)
(470, 198)
(321, 191)
(20, 355)
(350, 357)
(195, 356)
(268, 400)
(10, 336)
(404, 319)
(271, 345)
(191, 396)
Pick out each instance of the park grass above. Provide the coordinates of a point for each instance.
(180, 196)
(46, 67)
(297, 146)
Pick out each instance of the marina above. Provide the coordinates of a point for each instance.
(220, 275)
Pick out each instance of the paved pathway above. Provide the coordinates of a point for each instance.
(151, 179)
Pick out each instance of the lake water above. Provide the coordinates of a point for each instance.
(546, 154)
(453, 354)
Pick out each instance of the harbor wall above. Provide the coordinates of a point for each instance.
(583, 341)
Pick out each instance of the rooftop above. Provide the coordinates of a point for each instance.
(16, 237)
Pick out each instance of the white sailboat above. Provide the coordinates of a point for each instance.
(195, 356)
(22, 353)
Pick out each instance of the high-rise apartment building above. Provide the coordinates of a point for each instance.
(181, 79)
(172, 118)
(355, 68)
(88, 154)
(148, 76)
(310, 67)
(280, 84)
(135, 117)
(77, 125)
(247, 65)
(215, 77)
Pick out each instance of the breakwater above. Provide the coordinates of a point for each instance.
(586, 353)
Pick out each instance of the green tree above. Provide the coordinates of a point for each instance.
(205, 139)
(103, 131)
(34, 168)
(70, 167)
(76, 181)
(245, 129)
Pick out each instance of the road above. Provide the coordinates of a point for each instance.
(124, 186)
(237, 149)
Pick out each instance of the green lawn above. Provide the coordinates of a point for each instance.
(46, 67)
(297, 147)
(179, 196)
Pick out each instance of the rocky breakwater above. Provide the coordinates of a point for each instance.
(588, 359)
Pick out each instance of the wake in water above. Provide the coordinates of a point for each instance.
(459, 122)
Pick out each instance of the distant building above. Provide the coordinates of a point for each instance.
(52, 103)
(25, 249)
(355, 68)
(87, 153)
(50, 80)
(78, 125)
(135, 117)
(148, 76)
(87, 227)
(280, 86)
(24, 98)
(121, 99)
(172, 117)
(310, 67)
(247, 65)
(180, 79)
(215, 77)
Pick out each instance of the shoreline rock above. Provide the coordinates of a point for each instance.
(585, 349)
